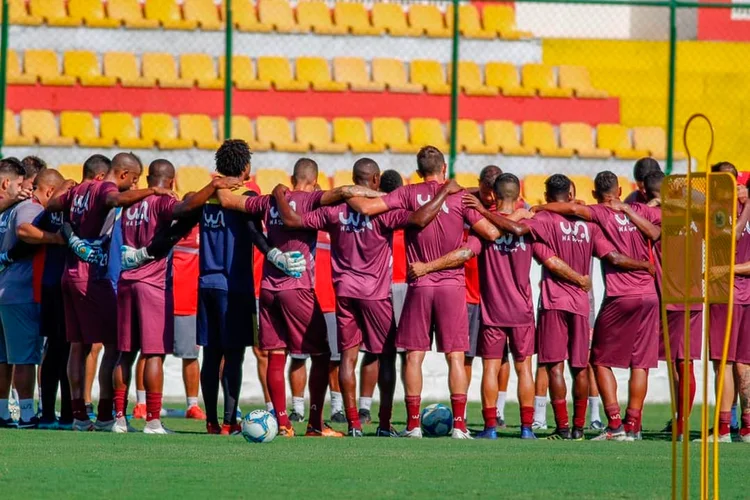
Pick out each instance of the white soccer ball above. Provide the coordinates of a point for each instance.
(437, 420)
(259, 426)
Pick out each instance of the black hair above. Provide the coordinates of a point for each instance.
(390, 180)
(32, 166)
(643, 167)
(232, 157)
(11, 168)
(501, 186)
(605, 182)
(724, 166)
(363, 170)
(305, 170)
(430, 161)
(558, 187)
(488, 175)
(160, 170)
(95, 165)
(652, 184)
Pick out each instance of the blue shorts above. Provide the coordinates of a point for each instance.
(20, 343)
(225, 319)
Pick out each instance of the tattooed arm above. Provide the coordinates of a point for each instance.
(451, 260)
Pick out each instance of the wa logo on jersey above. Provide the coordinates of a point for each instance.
(80, 203)
(576, 233)
(56, 218)
(508, 244)
(624, 224)
(355, 222)
(422, 203)
(136, 214)
(213, 221)
(275, 219)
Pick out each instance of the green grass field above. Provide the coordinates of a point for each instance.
(46, 464)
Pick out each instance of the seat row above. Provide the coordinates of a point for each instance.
(349, 73)
(342, 135)
(273, 15)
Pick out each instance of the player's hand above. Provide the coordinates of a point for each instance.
(24, 194)
(651, 269)
(67, 185)
(521, 213)
(226, 183)
(87, 251)
(471, 201)
(133, 258)
(362, 192)
(619, 206)
(717, 272)
(537, 208)
(279, 190)
(742, 193)
(656, 202)
(585, 284)
(452, 187)
(579, 202)
(160, 191)
(417, 270)
(291, 263)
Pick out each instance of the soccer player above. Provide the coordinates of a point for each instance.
(626, 329)
(32, 166)
(641, 169)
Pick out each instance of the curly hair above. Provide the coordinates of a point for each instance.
(232, 157)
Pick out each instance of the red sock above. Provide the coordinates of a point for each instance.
(277, 387)
(153, 406)
(384, 415)
(613, 415)
(412, 411)
(79, 409)
(680, 398)
(318, 386)
(579, 412)
(121, 402)
(490, 417)
(560, 408)
(104, 410)
(745, 429)
(527, 416)
(352, 416)
(632, 420)
(458, 404)
(725, 420)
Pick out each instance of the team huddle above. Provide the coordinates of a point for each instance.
(92, 263)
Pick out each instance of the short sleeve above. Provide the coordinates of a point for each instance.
(597, 213)
(474, 243)
(471, 216)
(651, 214)
(105, 190)
(542, 251)
(312, 201)
(398, 198)
(317, 219)
(394, 219)
(601, 245)
(538, 229)
(256, 205)
(166, 208)
(65, 199)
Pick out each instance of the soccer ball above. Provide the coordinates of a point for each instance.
(437, 420)
(259, 426)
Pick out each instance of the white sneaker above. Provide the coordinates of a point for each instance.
(105, 426)
(745, 438)
(83, 425)
(535, 425)
(459, 434)
(156, 427)
(415, 433)
(723, 438)
(122, 426)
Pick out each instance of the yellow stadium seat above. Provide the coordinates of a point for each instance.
(470, 79)
(391, 73)
(467, 179)
(391, 133)
(428, 19)
(469, 24)
(43, 64)
(243, 74)
(161, 67)
(243, 129)
(168, 14)
(19, 15)
(315, 134)
(121, 128)
(578, 79)
(533, 189)
(11, 137)
(15, 76)
(427, 132)
(353, 71)
(502, 20)
(84, 66)
(275, 131)
(430, 75)
(92, 13)
(541, 77)
(616, 138)
(415, 178)
(315, 16)
(53, 12)
(342, 178)
(541, 137)
(584, 186)
(268, 178)
(278, 72)
(580, 138)
(199, 68)
(80, 126)
(191, 179)
(71, 171)
(625, 184)
(199, 130)
(245, 17)
(324, 181)
(159, 128)
(469, 139)
(40, 125)
(124, 67)
(504, 135)
(352, 133)
(130, 12)
(651, 139)
(505, 77)
(204, 12)
(390, 17)
(354, 17)
(278, 14)
(315, 71)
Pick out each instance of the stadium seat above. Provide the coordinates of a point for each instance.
(467, 179)
(40, 125)
(268, 178)
(71, 171)
(204, 12)
(278, 72)
(502, 20)
(315, 134)
(324, 182)
(391, 73)
(121, 128)
(651, 139)
(390, 17)
(578, 79)
(243, 129)
(415, 178)
(91, 12)
(15, 76)
(243, 74)
(130, 12)
(168, 14)
(541, 137)
(391, 133)
(84, 66)
(580, 138)
(470, 79)
(533, 189)
(352, 133)
(52, 12)
(19, 15)
(353, 71)
(199, 130)
(200, 69)
(625, 184)
(315, 16)
(161, 67)
(430, 75)
(80, 126)
(315, 71)
(191, 179)
(616, 138)
(469, 139)
(159, 128)
(541, 78)
(11, 137)
(43, 64)
(584, 188)
(278, 14)
(505, 77)
(428, 19)
(469, 24)
(504, 135)
(342, 178)
(427, 132)
(275, 130)
(354, 17)
(245, 18)
(124, 67)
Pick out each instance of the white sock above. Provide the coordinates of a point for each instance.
(365, 403)
(4, 412)
(501, 397)
(140, 397)
(298, 405)
(337, 402)
(594, 409)
(540, 409)
(192, 402)
(27, 409)
(269, 406)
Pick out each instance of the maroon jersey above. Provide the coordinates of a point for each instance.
(636, 196)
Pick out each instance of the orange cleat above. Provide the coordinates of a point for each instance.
(287, 432)
(231, 429)
(326, 432)
(212, 428)
(139, 411)
(195, 413)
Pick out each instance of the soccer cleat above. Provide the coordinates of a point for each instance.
(83, 425)
(195, 413)
(64, 426)
(296, 417)
(501, 423)
(287, 432)
(390, 433)
(48, 425)
(156, 427)
(723, 438)
(559, 434)
(609, 434)
(539, 426)
(577, 434)
(326, 431)
(745, 438)
(122, 426)
(364, 416)
(139, 411)
(415, 433)
(528, 433)
(105, 426)
(490, 433)
(90, 411)
(338, 417)
(596, 425)
(212, 428)
(231, 429)
(459, 434)
(7, 423)
(355, 433)
(668, 427)
(635, 436)
(31, 423)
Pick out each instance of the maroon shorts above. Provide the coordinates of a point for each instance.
(145, 318)
(368, 323)
(493, 342)
(441, 309)
(739, 338)
(292, 320)
(563, 335)
(90, 312)
(676, 324)
(626, 333)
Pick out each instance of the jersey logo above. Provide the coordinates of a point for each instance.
(506, 244)
(136, 214)
(5, 221)
(275, 216)
(622, 219)
(56, 218)
(355, 222)
(625, 225)
(745, 231)
(578, 233)
(215, 221)
(80, 203)
(422, 202)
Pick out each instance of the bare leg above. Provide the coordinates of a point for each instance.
(593, 388)
(191, 377)
(368, 375)
(607, 384)
(413, 373)
(297, 377)
(541, 382)
(490, 370)
(92, 360)
(503, 376)
(262, 360)
(347, 380)
(468, 365)
(140, 366)
(77, 371)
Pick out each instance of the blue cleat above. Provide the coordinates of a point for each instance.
(527, 433)
(490, 433)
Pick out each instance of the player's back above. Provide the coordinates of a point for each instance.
(16, 282)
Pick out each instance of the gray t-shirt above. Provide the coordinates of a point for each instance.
(16, 282)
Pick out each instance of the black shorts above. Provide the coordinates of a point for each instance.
(225, 319)
(52, 313)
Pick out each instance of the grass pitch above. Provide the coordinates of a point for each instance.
(190, 464)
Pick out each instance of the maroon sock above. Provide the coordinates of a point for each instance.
(745, 429)
(352, 416)
(412, 411)
(632, 420)
(680, 392)
(153, 406)
(384, 415)
(458, 404)
(527, 416)
(121, 402)
(579, 412)
(490, 417)
(277, 387)
(104, 410)
(725, 421)
(560, 408)
(318, 386)
(79, 409)
(613, 415)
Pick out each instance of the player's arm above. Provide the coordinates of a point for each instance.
(290, 218)
(429, 210)
(341, 193)
(368, 206)
(503, 223)
(197, 200)
(163, 242)
(742, 221)
(486, 229)
(650, 230)
(452, 260)
(116, 199)
(565, 208)
(562, 270)
(58, 200)
(32, 235)
(742, 269)
(627, 264)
